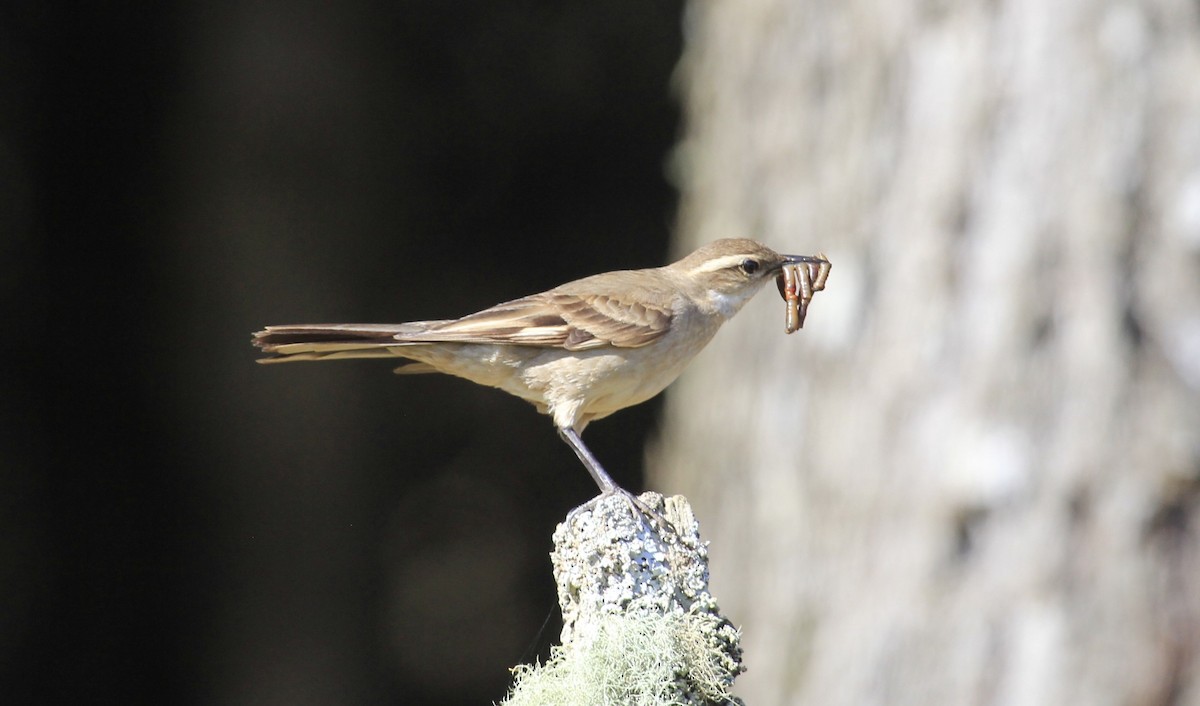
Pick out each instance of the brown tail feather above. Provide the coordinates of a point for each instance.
(333, 341)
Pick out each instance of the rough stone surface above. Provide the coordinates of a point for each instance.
(639, 624)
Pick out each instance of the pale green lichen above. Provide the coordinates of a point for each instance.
(637, 659)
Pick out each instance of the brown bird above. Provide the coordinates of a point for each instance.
(580, 351)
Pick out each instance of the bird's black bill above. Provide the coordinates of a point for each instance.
(798, 259)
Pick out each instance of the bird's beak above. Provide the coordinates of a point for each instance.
(798, 259)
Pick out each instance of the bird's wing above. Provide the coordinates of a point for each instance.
(557, 319)
(608, 319)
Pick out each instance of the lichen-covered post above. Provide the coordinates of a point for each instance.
(639, 625)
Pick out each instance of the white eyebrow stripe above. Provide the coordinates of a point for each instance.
(720, 263)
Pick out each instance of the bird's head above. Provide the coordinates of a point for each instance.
(727, 273)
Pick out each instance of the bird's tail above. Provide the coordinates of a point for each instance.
(284, 344)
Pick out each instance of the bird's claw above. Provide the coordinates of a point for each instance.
(641, 510)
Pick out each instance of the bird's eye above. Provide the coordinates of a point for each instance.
(749, 266)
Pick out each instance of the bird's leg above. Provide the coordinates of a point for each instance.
(604, 481)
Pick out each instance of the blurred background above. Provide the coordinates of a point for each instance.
(974, 477)
(181, 525)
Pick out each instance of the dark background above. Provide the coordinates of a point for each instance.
(180, 525)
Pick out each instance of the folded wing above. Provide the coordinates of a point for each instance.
(576, 322)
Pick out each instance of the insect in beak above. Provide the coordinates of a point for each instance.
(799, 278)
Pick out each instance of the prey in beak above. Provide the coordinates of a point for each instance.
(799, 277)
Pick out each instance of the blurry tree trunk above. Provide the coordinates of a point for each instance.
(974, 476)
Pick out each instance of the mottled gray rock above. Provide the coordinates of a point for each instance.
(639, 625)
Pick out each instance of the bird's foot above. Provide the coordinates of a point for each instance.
(646, 515)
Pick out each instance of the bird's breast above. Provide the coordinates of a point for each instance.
(594, 384)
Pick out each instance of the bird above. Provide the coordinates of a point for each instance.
(580, 351)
